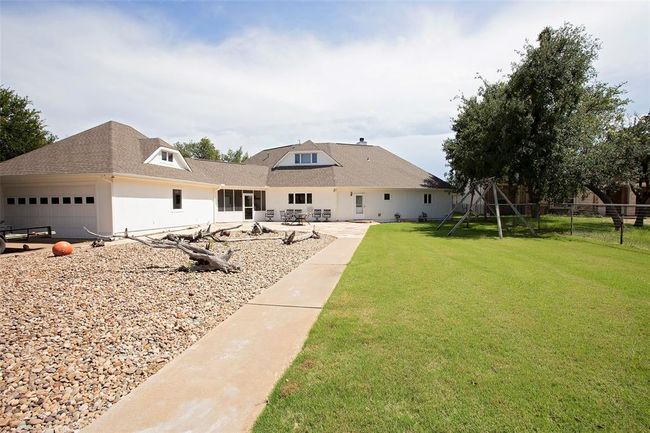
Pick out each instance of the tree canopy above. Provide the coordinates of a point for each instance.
(21, 127)
(205, 149)
(543, 127)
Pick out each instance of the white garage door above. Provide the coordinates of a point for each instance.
(66, 208)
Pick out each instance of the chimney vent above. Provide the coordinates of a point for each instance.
(362, 141)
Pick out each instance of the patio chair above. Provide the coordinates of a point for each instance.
(327, 214)
(283, 216)
(318, 213)
(290, 216)
(423, 217)
(270, 214)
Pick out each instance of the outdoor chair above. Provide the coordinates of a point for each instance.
(290, 215)
(327, 214)
(318, 213)
(270, 214)
(283, 216)
(423, 217)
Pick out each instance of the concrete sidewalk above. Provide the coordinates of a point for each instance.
(220, 384)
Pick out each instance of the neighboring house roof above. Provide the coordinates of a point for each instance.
(115, 148)
(118, 149)
(360, 165)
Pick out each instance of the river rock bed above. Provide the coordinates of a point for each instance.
(79, 332)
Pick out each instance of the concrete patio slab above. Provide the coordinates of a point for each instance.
(221, 383)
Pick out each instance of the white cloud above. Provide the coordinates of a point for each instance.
(84, 65)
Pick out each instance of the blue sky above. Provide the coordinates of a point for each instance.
(262, 74)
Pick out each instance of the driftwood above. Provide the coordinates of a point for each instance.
(292, 238)
(201, 234)
(259, 229)
(204, 259)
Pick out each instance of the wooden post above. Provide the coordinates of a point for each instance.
(471, 203)
(496, 206)
(539, 213)
(622, 225)
(571, 220)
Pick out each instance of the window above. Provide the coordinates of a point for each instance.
(32, 200)
(306, 158)
(54, 200)
(78, 200)
(43, 200)
(259, 200)
(229, 202)
(22, 200)
(67, 200)
(238, 200)
(11, 200)
(220, 200)
(300, 198)
(427, 198)
(167, 156)
(90, 200)
(386, 196)
(177, 196)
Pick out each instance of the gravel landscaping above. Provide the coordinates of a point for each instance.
(79, 332)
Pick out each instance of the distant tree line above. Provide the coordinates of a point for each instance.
(552, 127)
(205, 149)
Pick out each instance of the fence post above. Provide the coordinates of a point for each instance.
(539, 213)
(622, 225)
(571, 220)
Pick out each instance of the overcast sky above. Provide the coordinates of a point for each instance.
(267, 74)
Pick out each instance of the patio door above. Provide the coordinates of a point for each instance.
(248, 206)
(358, 206)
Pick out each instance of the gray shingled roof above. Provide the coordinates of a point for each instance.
(114, 148)
(361, 165)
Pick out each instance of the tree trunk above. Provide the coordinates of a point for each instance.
(609, 210)
(641, 212)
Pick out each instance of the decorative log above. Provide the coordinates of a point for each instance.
(205, 260)
(292, 239)
(259, 229)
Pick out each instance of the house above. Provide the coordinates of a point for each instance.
(112, 177)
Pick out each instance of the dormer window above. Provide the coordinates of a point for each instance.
(306, 158)
(167, 156)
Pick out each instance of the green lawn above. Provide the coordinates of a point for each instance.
(472, 334)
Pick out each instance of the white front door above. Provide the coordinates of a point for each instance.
(358, 206)
(248, 206)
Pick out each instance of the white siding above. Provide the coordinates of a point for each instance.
(67, 220)
(409, 203)
(141, 205)
(322, 198)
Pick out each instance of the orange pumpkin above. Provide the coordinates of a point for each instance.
(62, 248)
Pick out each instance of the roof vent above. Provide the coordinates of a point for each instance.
(362, 141)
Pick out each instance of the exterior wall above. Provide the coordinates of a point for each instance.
(145, 205)
(409, 203)
(322, 198)
(67, 220)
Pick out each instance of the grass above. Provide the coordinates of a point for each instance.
(471, 334)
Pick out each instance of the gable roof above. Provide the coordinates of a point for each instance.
(360, 165)
(115, 148)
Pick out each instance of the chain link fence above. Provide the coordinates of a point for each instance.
(616, 223)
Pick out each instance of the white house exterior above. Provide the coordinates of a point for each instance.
(112, 177)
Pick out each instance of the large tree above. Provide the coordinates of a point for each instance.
(21, 127)
(537, 127)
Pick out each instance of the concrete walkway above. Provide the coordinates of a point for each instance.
(221, 383)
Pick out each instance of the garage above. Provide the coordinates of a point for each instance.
(66, 208)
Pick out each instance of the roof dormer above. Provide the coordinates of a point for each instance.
(305, 158)
(168, 157)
